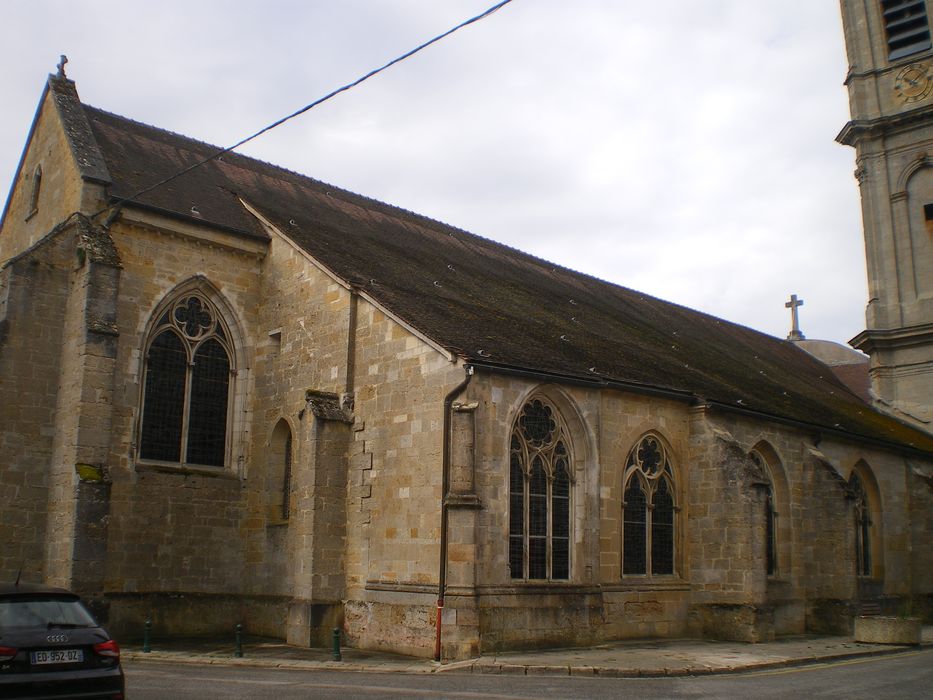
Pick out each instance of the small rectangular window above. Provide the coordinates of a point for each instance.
(928, 212)
(905, 26)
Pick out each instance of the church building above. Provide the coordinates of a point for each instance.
(247, 396)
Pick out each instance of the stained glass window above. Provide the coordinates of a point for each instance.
(648, 511)
(539, 495)
(187, 387)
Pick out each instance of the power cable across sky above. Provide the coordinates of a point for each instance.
(311, 105)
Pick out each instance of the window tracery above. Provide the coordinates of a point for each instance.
(539, 495)
(186, 395)
(648, 510)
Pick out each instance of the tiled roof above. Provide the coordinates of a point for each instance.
(492, 304)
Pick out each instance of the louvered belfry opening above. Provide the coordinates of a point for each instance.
(905, 26)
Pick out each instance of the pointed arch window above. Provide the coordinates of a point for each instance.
(279, 458)
(186, 390)
(863, 526)
(540, 491)
(771, 549)
(648, 511)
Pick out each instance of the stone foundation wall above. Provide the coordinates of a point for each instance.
(401, 623)
(180, 615)
(540, 619)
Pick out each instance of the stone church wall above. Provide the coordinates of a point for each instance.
(920, 479)
(362, 396)
(721, 587)
(33, 293)
(175, 545)
(301, 346)
(394, 485)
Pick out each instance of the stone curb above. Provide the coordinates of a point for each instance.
(179, 657)
(611, 672)
(504, 668)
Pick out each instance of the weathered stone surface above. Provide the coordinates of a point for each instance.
(887, 630)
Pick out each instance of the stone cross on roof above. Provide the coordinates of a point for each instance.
(795, 333)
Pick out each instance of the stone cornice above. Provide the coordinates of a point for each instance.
(887, 338)
(857, 129)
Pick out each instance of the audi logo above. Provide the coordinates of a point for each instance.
(57, 638)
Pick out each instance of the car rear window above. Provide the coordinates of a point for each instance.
(45, 612)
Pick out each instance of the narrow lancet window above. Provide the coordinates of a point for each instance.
(862, 526)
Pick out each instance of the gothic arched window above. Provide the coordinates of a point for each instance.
(279, 456)
(770, 516)
(648, 510)
(862, 526)
(287, 476)
(539, 495)
(186, 399)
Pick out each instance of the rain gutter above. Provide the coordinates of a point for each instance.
(445, 485)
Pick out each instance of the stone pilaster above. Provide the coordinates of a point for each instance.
(461, 617)
(319, 530)
(79, 493)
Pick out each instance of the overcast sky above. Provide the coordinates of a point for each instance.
(682, 148)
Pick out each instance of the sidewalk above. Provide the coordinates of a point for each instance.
(641, 658)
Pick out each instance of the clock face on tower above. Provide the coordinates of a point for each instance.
(913, 83)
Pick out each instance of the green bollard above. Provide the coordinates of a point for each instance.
(336, 640)
(239, 641)
(146, 628)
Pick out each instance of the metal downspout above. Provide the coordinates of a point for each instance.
(445, 485)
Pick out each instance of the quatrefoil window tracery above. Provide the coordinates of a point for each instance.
(193, 317)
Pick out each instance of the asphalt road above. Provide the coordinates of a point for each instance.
(907, 676)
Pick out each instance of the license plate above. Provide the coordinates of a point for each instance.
(57, 656)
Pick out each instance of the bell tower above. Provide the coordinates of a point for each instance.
(890, 83)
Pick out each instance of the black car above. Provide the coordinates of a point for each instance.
(52, 647)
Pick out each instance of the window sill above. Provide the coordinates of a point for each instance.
(186, 470)
(537, 587)
(648, 583)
